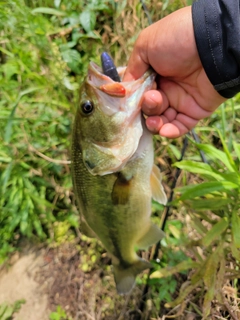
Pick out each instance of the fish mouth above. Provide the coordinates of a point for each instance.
(97, 77)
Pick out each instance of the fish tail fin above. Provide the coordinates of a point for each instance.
(125, 277)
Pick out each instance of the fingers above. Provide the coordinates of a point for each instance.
(170, 126)
(172, 131)
(138, 63)
(183, 98)
(172, 110)
(154, 102)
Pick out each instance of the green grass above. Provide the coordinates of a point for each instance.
(41, 66)
(8, 311)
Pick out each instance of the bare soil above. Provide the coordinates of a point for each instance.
(51, 277)
(17, 282)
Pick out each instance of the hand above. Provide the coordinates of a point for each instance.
(184, 95)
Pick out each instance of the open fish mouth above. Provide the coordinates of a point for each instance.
(109, 68)
(119, 107)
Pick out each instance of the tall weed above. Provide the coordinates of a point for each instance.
(44, 53)
(210, 238)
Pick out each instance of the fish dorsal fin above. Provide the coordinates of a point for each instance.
(158, 193)
(152, 236)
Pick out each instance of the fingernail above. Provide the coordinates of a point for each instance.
(153, 124)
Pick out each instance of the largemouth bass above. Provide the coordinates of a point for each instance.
(114, 176)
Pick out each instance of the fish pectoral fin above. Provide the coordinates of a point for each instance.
(158, 193)
(85, 229)
(153, 235)
(125, 277)
(121, 189)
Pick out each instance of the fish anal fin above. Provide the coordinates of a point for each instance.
(121, 189)
(153, 235)
(125, 277)
(158, 193)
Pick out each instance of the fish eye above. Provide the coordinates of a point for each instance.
(87, 107)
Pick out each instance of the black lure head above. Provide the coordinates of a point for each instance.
(108, 67)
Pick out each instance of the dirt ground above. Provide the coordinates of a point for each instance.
(51, 277)
(17, 282)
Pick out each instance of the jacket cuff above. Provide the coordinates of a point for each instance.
(217, 29)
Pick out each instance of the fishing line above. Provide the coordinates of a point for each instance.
(196, 138)
(166, 213)
(145, 9)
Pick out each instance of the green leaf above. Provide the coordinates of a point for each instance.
(17, 304)
(6, 175)
(40, 201)
(24, 227)
(38, 228)
(14, 222)
(197, 224)
(235, 222)
(165, 5)
(7, 312)
(235, 251)
(3, 308)
(175, 151)
(184, 292)
(8, 129)
(207, 302)
(8, 53)
(72, 58)
(168, 271)
(51, 11)
(211, 266)
(232, 177)
(209, 278)
(200, 168)
(192, 191)
(236, 147)
(227, 153)
(57, 3)
(156, 206)
(216, 154)
(215, 232)
(175, 231)
(88, 20)
(10, 68)
(208, 204)
(220, 279)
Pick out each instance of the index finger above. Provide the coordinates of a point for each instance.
(138, 62)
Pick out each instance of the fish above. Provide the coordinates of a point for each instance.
(113, 170)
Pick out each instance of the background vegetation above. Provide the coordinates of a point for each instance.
(45, 48)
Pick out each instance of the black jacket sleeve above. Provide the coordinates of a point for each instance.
(217, 33)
